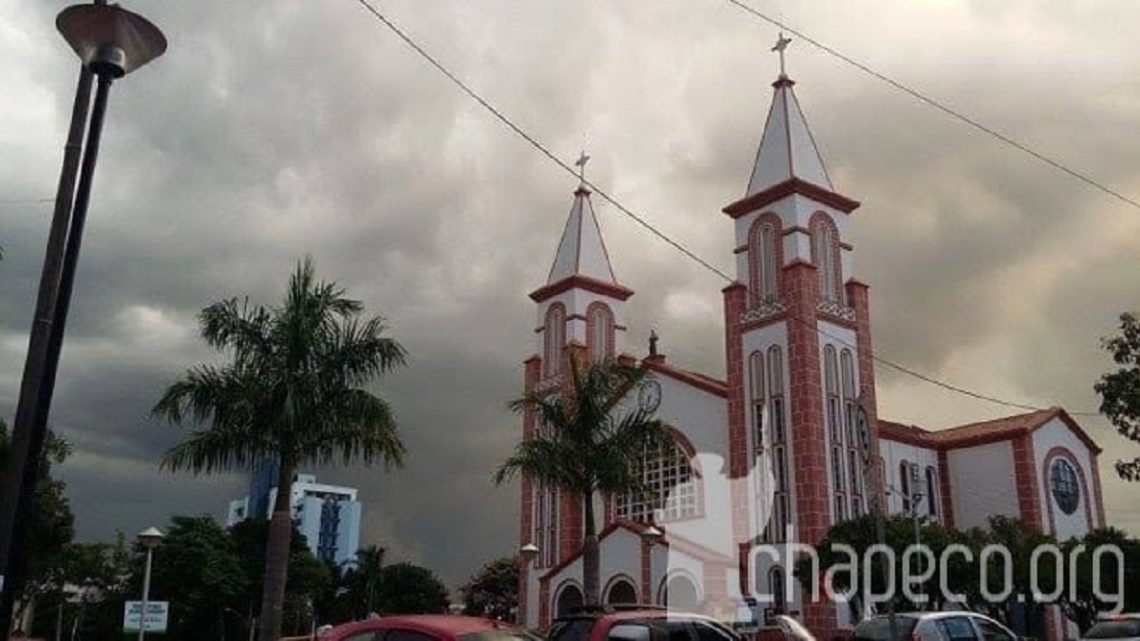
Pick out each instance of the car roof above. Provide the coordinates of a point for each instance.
(626, 614)
(442, 624)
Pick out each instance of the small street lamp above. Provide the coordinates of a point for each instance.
(111, 42)
(653, 535)
(528, 552)
(149, 538)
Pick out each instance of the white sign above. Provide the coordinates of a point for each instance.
(156, 612)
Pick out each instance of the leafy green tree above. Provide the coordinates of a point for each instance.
(1120, 390)
(1021, 611)
(406, 588)
(586, 446)
(198, 571)
(293, 390)
(52, 525)
(493, 591)
(1083, 605)
(361, 582)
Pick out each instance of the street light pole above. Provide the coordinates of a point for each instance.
(111, 42)
(150, 539)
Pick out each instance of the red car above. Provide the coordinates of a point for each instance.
(425, 627)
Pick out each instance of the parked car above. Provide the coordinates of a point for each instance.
(783, 628)
(426, 627)
(1122, 627)
(637, 623)
(933, 626)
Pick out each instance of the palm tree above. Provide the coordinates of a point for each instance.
(292, 391)
(585, 446)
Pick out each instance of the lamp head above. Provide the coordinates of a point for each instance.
(150, 538)
(109, 39)
(652, 534)
(528, 551)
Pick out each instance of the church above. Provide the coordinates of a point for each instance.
(781, 444)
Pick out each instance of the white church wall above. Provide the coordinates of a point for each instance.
(1053, 434)
(838, 338)
(982, 483)
(620, 553)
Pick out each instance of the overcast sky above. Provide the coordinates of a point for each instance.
(274, 129)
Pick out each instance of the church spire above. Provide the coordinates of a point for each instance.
(787, 149)
(582, 252)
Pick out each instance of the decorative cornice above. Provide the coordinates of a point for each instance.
(791, 186)
(763, 311)
(578, 281)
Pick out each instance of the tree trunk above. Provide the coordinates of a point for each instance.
(590, 569)
(277, 556)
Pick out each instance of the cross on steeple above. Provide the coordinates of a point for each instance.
(782, 43)
(581, 165)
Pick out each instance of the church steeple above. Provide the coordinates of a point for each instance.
(787, 149)
(581, 252)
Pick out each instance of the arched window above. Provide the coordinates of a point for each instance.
(854, 456)
(621, 591)
(600, 332)
(904, 485)
(679, 592)
(825, 255)
(781, 504)
(1064, 486)
(834, 430)
(672, 489)
(764, 254)
(568, 599)
(554, 338)
(756, 378)
(931, 491)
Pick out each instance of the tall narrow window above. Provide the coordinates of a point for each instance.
(546, 524)
(904, 485)
(825, 255)
(554, 338)
(854, 458)
(764, 257)
(781, 503)
(600, 330)
(776, 584)
(932, 491)
(756, 376)
(834, 430)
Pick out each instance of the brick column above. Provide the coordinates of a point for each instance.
(808, 437)
(1025, 477)
(944, 489)
(858, 297)
(735, 300)
(1097, 493)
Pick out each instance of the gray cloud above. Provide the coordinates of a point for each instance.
(275, 130)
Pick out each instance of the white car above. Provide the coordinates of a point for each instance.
(1124, 627)
(933, 626)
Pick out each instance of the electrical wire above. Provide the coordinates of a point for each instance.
(953, 113)
(641, 220)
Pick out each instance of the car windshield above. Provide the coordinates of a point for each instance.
(1114, 629)
(879, 629)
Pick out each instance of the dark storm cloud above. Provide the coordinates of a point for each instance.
(274, 130)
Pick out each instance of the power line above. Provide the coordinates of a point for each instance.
(645, 224)
(1020, 146)
(26, 201)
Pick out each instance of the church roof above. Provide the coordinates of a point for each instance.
(787, 149)
(581, 252)
(982, 432)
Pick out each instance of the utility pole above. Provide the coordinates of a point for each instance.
(918, 493)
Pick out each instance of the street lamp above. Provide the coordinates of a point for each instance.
(111, 42)
(149, 538)
(653, 535)
(528, 552)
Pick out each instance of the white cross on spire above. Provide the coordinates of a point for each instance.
(782, 43)
(581, 165)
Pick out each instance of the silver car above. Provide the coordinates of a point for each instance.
(1125, 627)
(933, 626)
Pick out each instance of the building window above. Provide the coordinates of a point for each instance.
(600, 330)
(854, 456)
(329, 528)
(764, 255)
(931, 491)
(546, 524)
(756, 374)
(672, 490)
(776, 583)
(825, 255)
(554, 338)
(834, 430)
(1066, 489)
(776, 528)
(904, 485)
